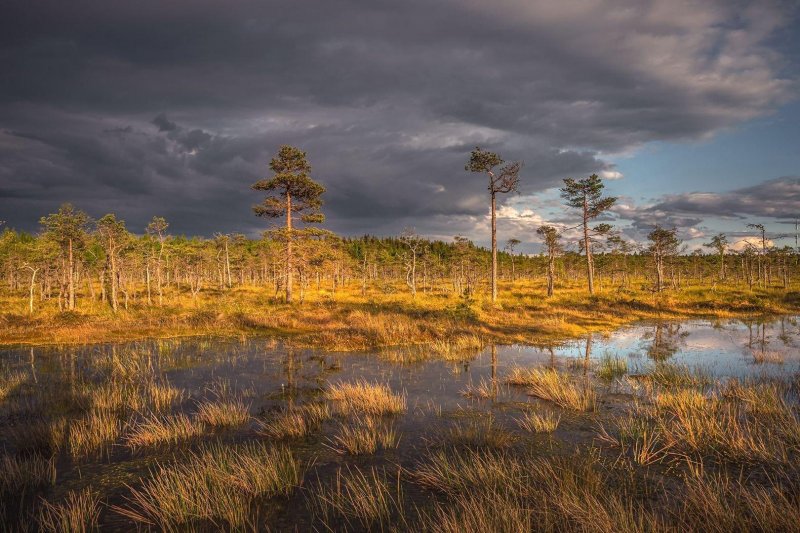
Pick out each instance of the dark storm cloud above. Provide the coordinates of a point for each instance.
(174, 108)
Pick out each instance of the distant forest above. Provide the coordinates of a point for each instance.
(74, 256)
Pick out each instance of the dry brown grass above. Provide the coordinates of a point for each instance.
(93, 434)
(364, 435)
(551, 385)
(217, 484)
(224, 412)
(544, 422)
(361, 498)
(484, 390)
(158, 430)
(365, 398)
(295, 422)
(21, 474)
(78, 513)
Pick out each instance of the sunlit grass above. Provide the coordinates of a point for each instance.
(365, 498)
(539, 422)
(20, 474)
(159, 430)
(224, 412)
(78, 513)
(559, 388)
(364, 435)
(217, 483)
(93, 434)
(365, 398)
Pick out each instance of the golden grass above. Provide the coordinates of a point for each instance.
(544, 422)
(551, 385)
(609, 367)
(295, 422)
(379, 319)
(93, 434)
(224, 412)
(478, 513)
(217, 484)
(361, 397)
(475, 433)
(78, 513)
(21, 474)
(367, 499)
(484, 390)
(364, 435)
(10, 383)
(159, 430)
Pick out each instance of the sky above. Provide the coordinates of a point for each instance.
(689, 110)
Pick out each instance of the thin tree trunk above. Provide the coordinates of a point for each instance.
(494, 248)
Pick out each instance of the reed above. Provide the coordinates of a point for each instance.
(544, 422)
(93, 434)
(78, 513)
(365, 398)
(217, 484)
(226, 412)
(156, 430)
(558, 388)
(364, 435)
(361, 498)
(22, 474)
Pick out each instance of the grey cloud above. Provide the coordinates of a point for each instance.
(174, 108)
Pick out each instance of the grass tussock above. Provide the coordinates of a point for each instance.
(484, 390)
(217, 484)
(544, 422)
(559, 388)
(367, 499)
(458, 348)
(23, 474)
(365, 435)
(78, 513)
(45, 436)
(161, 430)
(93, 434)
(610, 368)
(224, 412)
(365, 398)
(475, 433)
(295, 422)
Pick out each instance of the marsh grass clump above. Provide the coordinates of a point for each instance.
(475, 433)
(559, 388)
(459, 348)
(44, 436)
(11, 383)
(719, 503)
(669, 375)
(162, 396)
(681, 401)
(638, 437)
(93, 434)
(22, 474)
(361, 498)
(544, 422)
(759, 398)
(295, 422)
(484, 390)
(365, 398)
(217, 484)
(155, 430)
(224, 412)
(610, 368)
(480, 512)
(364, 435)
(78, 513)
(456, 471)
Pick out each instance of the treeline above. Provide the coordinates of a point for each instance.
(74, 257)
(101, 260)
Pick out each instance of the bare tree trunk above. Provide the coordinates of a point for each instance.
(494, 247)
(587, 246)
(71, 279)
(288, 248)
(551, 268)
